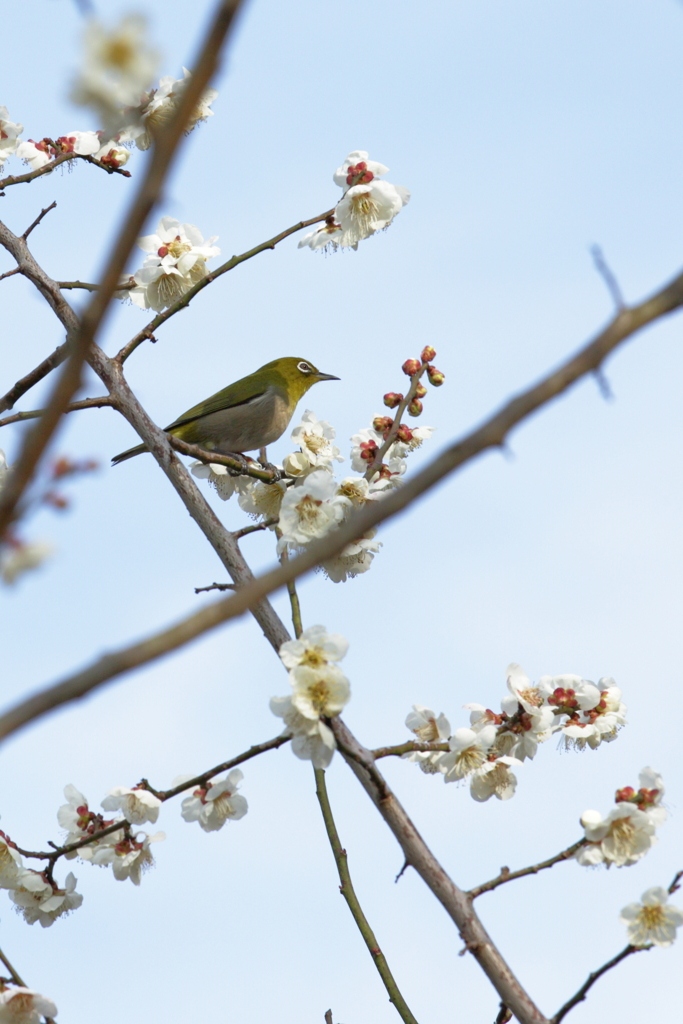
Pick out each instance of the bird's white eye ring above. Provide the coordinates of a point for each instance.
(304, 367)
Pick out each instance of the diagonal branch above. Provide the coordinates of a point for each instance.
(579, 996)
(456, 903)
(509, 876)
(34, 414)
(80, 337)
(349, 893)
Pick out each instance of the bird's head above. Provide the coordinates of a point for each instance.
(295, 375)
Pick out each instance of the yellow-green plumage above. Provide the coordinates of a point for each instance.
(249, 414)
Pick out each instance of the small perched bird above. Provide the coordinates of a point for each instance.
(251, 413)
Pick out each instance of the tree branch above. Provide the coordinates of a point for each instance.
(592, 978)
(349, 893)
(508, 876)
(406, 748)
(457, 903)
(80, 337)
(185, 299)
(85, 403)
(38, 219)
(63, 158)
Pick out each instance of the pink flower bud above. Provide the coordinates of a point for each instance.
(415, 407)
(420, 391)
(428, 353)
(392, 399)
(411, 366)
(382, 423)
(404, 434)
(162, 251)
(436, 377)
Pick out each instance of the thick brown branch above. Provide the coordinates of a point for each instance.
(457, 903)
(85, 403)
(235, 463)
(508, 876)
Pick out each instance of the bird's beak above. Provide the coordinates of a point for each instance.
(327, 376)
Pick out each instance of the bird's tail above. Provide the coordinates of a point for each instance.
(138, 450)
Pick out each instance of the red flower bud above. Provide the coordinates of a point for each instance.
(411, 366)
(162, 251)
(428, 353)
(392, 399)
(382, 423)
(420, 391)
(436, 377)
(404, 434)
(415, 407)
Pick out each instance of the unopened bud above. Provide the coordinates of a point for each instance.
(392, 399)
(411, 366)
(420, 391)
(404, 434)
(436, 377)
(382, 423)
(428, 353)
(415, 407)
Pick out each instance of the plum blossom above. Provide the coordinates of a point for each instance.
(112, 155)
(622, 838)
(315, 648)
(11, 865)
(314, 438)
(80, 822)
(428, 728)
(310, 509)
(19, 1005)
(38, 900)
(324, 239)
(262, 501)
(494, 778)
(136, 805)
(312, 740)
(36, 154)
(9, 135)
(468, 752)
(216, 802)
(82, 143)
(366, 209)
(648, 798)
(20, 557)
(160, 104)
(176, 260)
(352, 560)
(221, 479)
(132, 857)
(117, 67)
(319, 691)
(651, 920)
(357, 164)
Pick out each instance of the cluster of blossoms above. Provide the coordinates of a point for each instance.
(35, 894)
(319, 690)
(368, 205)
(311, 501)
(117, 69)
(652, 921)
(579, 711)
(19, 1005)
(176, 260)
(628, 831)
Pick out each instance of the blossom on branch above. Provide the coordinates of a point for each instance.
(651, 920)
(36, 154)
(81, 823)
(622, 838)
(428, 728)
(136, 805)
(176, 261)
(216, 802)
(37, 899)
(311, 740)
(19, 1005)
(315, 648)
(9, 135)
(310, 509)
(11, 865)
(314, 438)
(158, 107)
(132, 857)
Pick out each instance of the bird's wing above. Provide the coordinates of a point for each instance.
(217, 403)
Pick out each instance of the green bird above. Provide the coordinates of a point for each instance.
(251, 413)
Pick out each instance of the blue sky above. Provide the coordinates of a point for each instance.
(527, 133)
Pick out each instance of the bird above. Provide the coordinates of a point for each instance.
(249, 414)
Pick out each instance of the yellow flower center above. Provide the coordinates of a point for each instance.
(468, 760)
(318, 694)
(315, 442)
(364, 209)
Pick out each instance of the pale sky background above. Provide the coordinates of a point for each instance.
(527, 132)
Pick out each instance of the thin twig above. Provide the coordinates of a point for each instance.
(215, 586)
(9, 273)
(406, 748)
(63, 158)
(393, 430)
(246, 530)
(38, 219)
(592, 978)
(35, 375)
(349, 893)
(15, 976)
(83, 284)
(211, 276)
(608, 277)
(508, 876)
(84, 403)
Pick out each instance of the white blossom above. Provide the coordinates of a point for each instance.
(319, 691)
(367, 440)
(79, 822)
(221, 479)
(176, 260)
(651, 920)
(358, 156)
(112, 154)
(494, 778)
(11, 865)
(315, 438)
(83, 143)
(321, 239)
(212, 805)
(622, 838)
(20, 557)
(352, 560)
(132, 857)
(310, 509)
(35, 154)
(428, 728)
(19, 1005)
(160, 105)
(365, 209)
(9, 135)
(118, 66)
(315, 647)
(312, 740)
(468, 750)
(261, 500)
(136, 805)
(38, 900)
